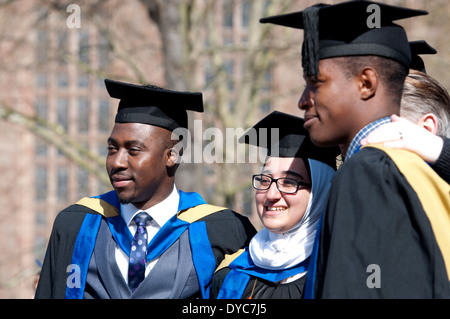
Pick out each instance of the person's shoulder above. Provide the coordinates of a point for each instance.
(209, 213)
(379, 157)
(72, 216)
(369, 161)
(373, 168)
(224, 214)
(229, 218)
(368, 155)
(379, 163)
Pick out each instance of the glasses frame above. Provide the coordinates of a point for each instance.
(300, 184)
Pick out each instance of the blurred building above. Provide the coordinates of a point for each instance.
(52, 74)
(55, 76)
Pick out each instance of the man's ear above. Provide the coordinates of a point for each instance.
(173, 157)
(430, 122)
(368, 82)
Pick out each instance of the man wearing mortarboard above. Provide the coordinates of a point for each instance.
(144, 239)
(384, 231)
(418, 48)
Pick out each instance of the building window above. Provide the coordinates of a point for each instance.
(229, 67)
(63, 107)
(42, 47)
(41, 148)
(62, 80)
(41, 218)
(83, 80)
(103, 51)
(41, 108)
(83, 47)
(61, 38)
(103, 115)
(41, 80)
(82, 183)
(83, 114)
(228, 13)
(246, 10)
(41, 183)
(62, 180)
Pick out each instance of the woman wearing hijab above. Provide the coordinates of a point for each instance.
(290, 195)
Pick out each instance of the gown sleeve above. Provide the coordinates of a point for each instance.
(442, 165)
(376, 240)
(53, 277)
(228, 232)
(217, 281)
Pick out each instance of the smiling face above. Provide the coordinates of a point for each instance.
(280, 212)
(137, 162)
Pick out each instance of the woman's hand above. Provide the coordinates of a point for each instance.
(401, 133)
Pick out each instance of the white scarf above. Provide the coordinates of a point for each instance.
(281, 251)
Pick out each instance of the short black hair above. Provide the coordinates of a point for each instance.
(390, 72)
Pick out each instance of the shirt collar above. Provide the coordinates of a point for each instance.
(355, 145)
(160, 212)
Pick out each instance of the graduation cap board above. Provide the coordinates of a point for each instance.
(347, 29)
(289, 139)
(149, 104)
(418, 48)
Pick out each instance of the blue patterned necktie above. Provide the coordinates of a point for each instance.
(138, 251)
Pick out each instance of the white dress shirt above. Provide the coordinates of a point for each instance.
(160, 214)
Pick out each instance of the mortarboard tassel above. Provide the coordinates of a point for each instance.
(310, 49)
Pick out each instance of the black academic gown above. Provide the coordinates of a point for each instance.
(442, 165)
(258, 288)
(379, 237)
(201, 247)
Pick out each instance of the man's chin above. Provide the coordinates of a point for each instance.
(322, 142)
(316, 136)
(126, 201)
(123, 199)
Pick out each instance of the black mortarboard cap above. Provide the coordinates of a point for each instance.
(292, 139)
(343, 30)
(418, 48)
(150, 104)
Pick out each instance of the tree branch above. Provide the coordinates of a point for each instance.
(55, 135)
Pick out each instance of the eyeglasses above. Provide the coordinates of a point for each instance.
(285, 185)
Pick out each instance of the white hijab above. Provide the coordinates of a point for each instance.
(281, 251)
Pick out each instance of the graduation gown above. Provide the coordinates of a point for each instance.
(239, 278)
(75, 264)
(385, 230)
(258, 288)
(442, 166)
